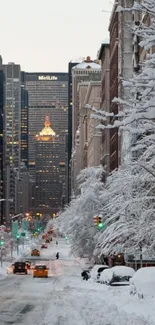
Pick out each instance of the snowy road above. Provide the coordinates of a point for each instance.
(62, 299)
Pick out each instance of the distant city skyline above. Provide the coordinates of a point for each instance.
(44, 36)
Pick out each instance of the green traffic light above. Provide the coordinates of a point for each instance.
(1, 242)
(17, 236)
(100, 225)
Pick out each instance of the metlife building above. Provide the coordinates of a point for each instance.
(47, 89)
(48, 95)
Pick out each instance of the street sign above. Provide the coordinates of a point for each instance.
(14, 228)
(23, 234)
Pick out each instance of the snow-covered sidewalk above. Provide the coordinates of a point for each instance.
(97, 303)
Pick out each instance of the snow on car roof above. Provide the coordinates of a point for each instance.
(143, 281)
(94, 270)
(121, 271)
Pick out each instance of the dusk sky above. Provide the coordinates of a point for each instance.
(46, 35)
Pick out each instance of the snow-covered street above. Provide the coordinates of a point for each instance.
(64, 298)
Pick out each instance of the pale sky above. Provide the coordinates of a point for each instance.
(44, 35)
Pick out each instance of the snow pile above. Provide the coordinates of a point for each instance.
(3, 272)
(143, 282)
(121, 271)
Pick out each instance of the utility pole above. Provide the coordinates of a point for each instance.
(1, 257)
(141, 255)
(18, 237)
(11, 248)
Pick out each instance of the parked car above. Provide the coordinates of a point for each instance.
(117, 276)
(44, 246)
(19, 267)
(35, 252)
(142, 283)
(40, 271)
(97, 270)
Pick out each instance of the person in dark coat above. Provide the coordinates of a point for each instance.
(85, 276)
(57, 255)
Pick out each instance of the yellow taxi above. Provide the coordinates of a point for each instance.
(40, 271)
(35, 252)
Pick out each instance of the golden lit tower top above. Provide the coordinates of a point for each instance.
(47, 133)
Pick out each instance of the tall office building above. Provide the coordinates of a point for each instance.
(12, 133)
(24, 121)
(48, 178)
(12, 115)
(48, 95)
(1, 139)
(69, 137)
(87, 70)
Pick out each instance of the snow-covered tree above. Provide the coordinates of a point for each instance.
(128, 227)
(78, 216)
(128, 212)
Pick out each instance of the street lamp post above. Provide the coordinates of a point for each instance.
(1, 257)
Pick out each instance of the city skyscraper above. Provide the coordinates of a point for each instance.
(24, 121)
(48, 179)
(88, 70)
(12, 114)
(12, 134)
(69, 138)
(48, 95)
(1, 139)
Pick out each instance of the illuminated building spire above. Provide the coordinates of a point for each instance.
(47, 121)
(47, 133)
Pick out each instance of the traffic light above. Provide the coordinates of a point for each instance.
(17, 236)
(1, 242)
(96, 220)
(100, 223)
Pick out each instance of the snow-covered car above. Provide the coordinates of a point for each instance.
(97, 271)
(44, 246)
(35, 252)
(142, 283)
(117, 276)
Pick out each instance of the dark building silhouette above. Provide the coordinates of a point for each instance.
(48, 176)
(69, 136)
(1, 140)
(24, 126)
